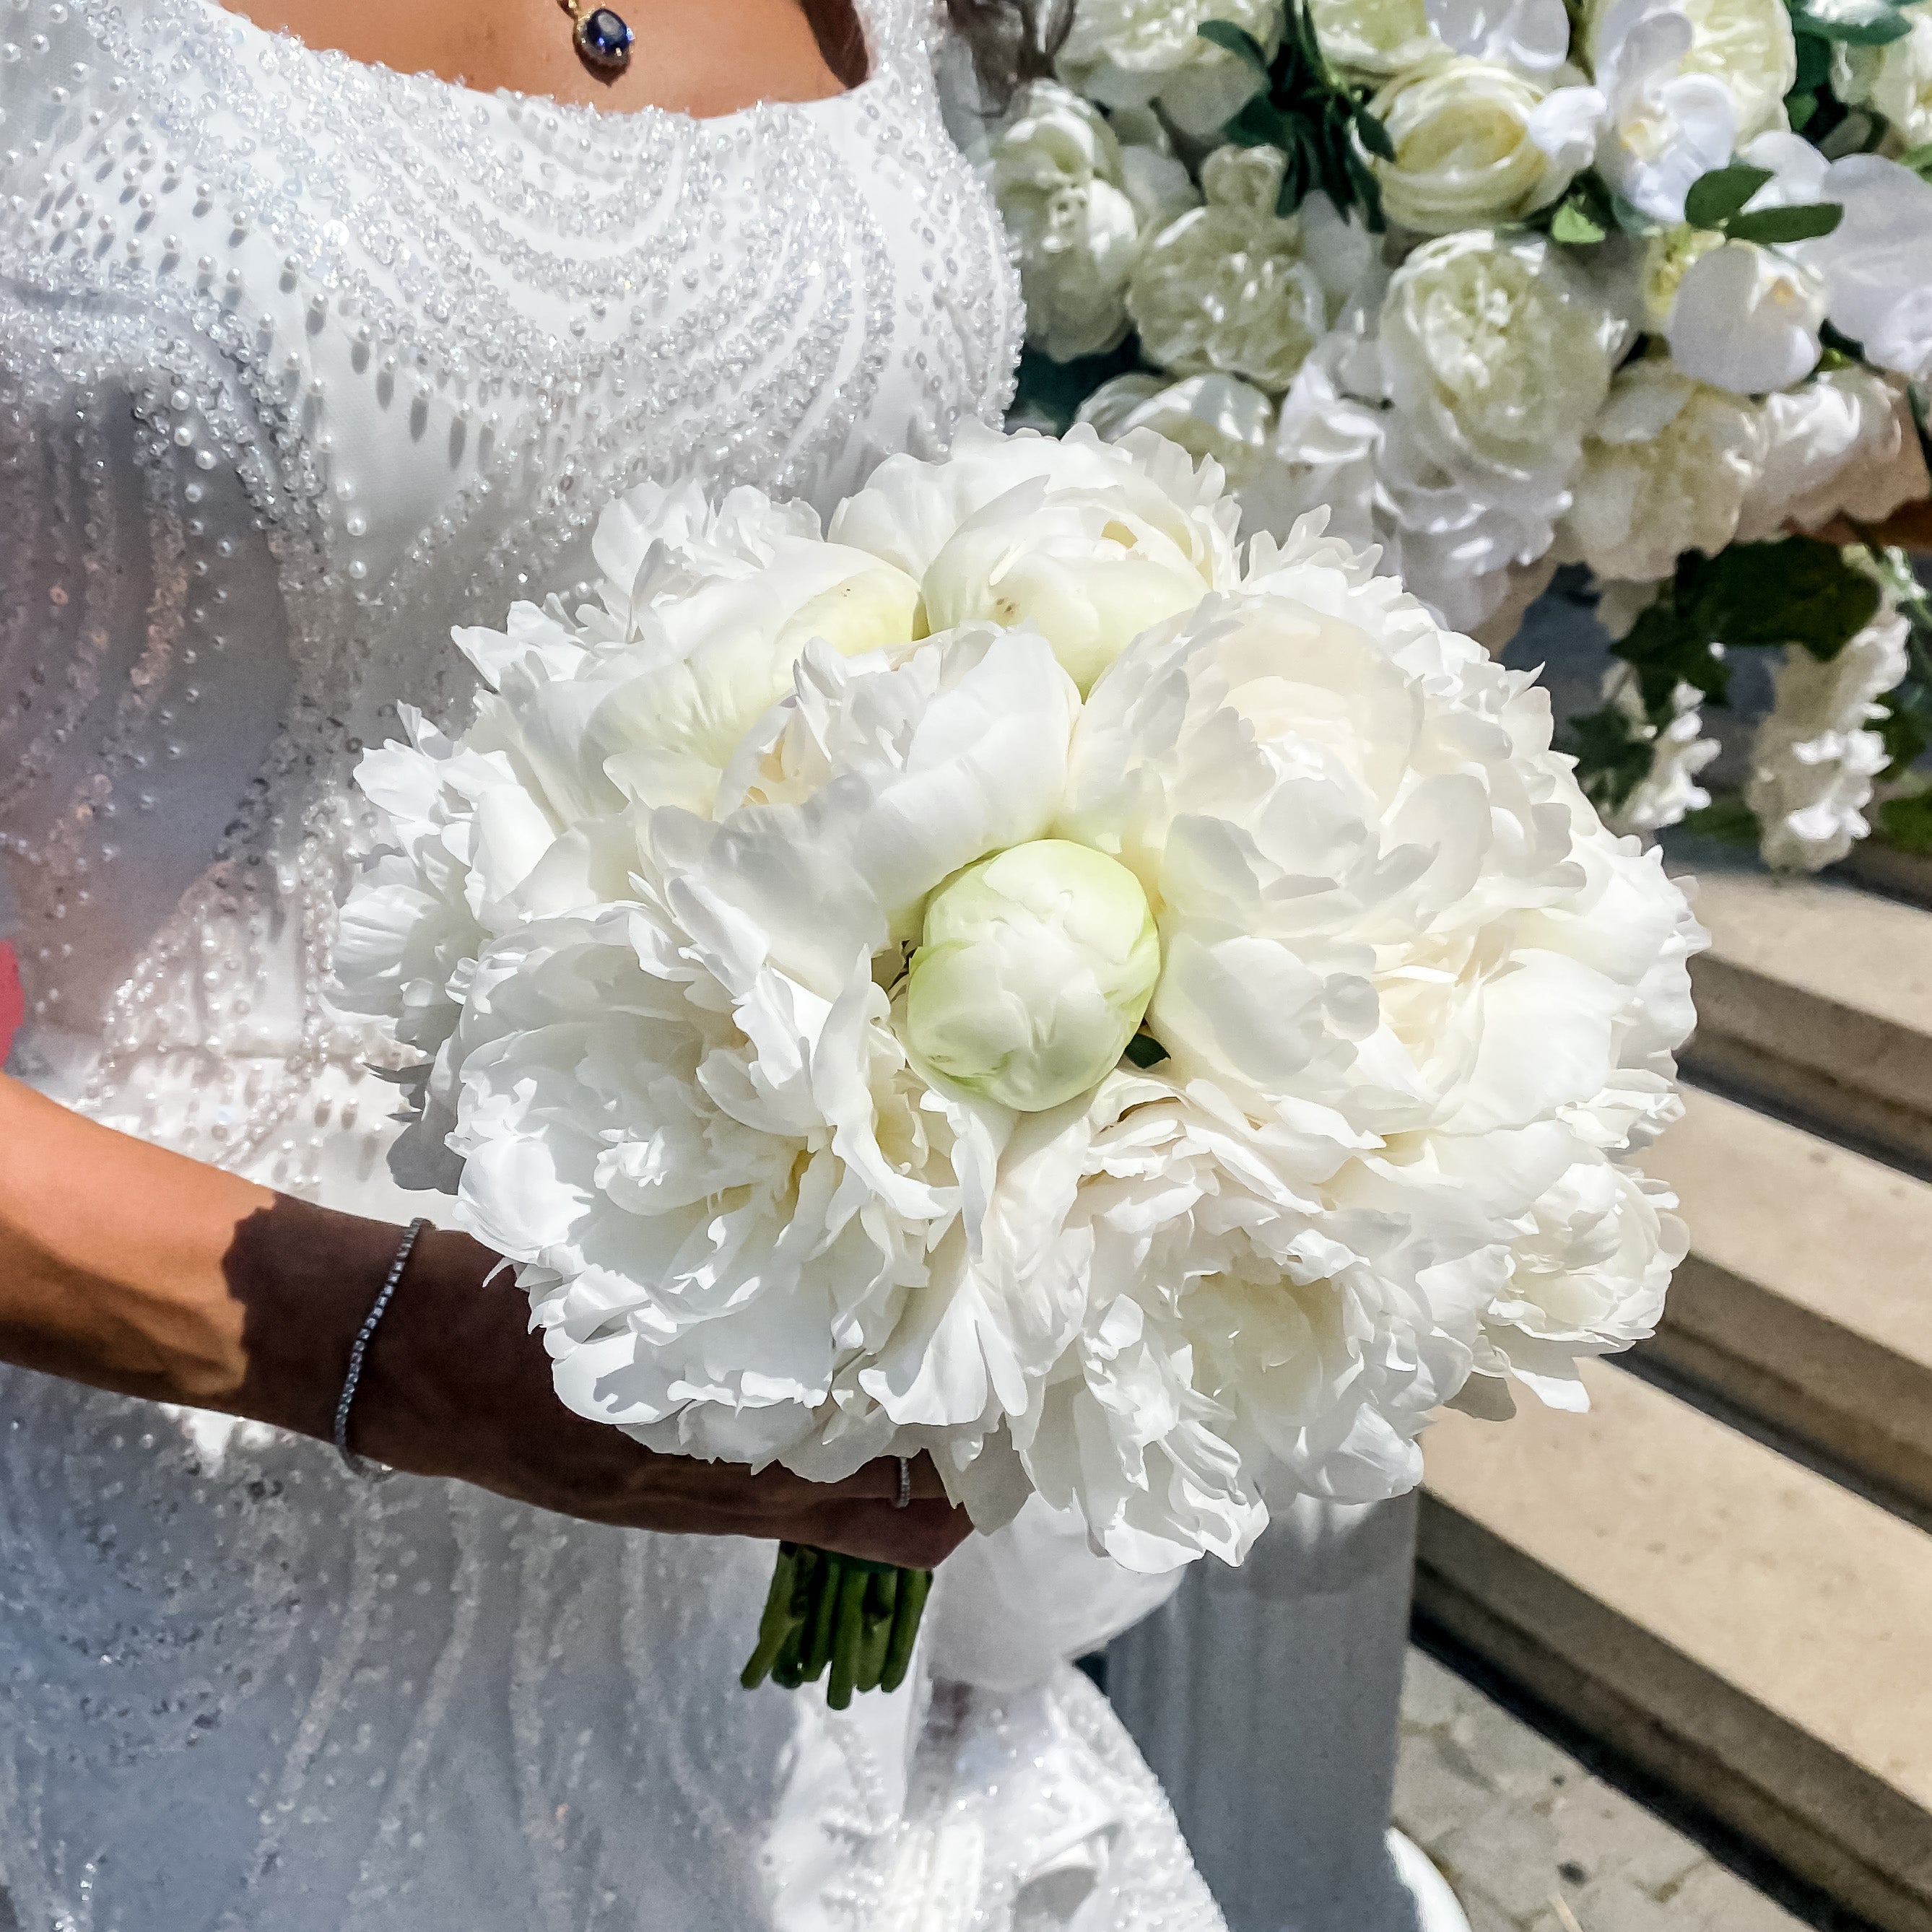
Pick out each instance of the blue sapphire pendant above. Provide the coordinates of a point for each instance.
(602, 37)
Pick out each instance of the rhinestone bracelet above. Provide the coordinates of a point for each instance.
(359, 1466)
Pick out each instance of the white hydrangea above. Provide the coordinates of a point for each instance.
(1814, 761)
(1667, 468)
(1076, 205)
(1127, 53)
(1417, 1006)
(1228, 288)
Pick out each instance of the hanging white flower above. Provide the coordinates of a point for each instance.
(1126, 53)
(1667, 468)
(1813, 760)
(1668, 792)
(1076, 205)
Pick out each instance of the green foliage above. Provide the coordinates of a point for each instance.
(1887, 23)
(1906, 823)
(1322, 127)
(1613, 756)
(1794, 591)
(1052, 392)
(1918, 159)
(1716, 201)
(1727, 819)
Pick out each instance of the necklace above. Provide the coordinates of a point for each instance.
(602, 37)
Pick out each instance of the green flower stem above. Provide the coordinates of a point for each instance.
(825, 1611)
(851, 1629)
(914, 1586)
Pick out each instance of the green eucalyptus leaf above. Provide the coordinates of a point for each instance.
(1373, 135)
(1260, 124)
(1236, 41)
(1715, 197)
(1814, 62)
(1804, 223)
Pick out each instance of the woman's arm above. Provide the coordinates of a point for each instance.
(130, 1268)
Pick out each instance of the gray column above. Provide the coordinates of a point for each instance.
(1266, 1699)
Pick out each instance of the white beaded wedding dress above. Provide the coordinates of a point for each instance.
(301, 363)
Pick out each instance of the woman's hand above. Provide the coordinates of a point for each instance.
(128, 1267)
(455, 1385)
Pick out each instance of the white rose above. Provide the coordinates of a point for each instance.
(1087, 542)
(1894, 80)
(1219, 417)
(1374, 38)
(1495, 352)
(1032, 973)
(1466, 147)
(1746, 47)
(1814, 761)
(1842, 445)
(1069, 201)
(1666, 468)
(1747, 318)
(1229, 287)
(1126, 53)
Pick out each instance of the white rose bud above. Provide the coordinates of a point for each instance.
(1076, 206)
(1464, 147)
(1228, 288)
(1036, 967)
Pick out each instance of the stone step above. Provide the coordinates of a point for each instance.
(1732, 1623)
(1817, 997)
(1806, 1302)
(1880, 868)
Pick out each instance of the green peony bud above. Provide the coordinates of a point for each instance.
(1036, 967)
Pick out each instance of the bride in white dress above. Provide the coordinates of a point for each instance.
(301, 362)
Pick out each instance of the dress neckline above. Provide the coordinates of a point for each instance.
(582, 115)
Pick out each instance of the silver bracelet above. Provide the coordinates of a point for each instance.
(359, 1466)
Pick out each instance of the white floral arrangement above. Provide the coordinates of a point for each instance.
(1020, 976)
(1506, 284)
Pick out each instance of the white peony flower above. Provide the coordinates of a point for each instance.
(1747, 318)
(793, 1093)
(1126, 53)
(1894, 80)
(1814, 761)
(1087, 542)
(1669, 791)
(1076, 205)
(1228, 288)
(1466, 147)
(1668, 468)
(1843, 445)
(1497, 355)
(1033, 971)
(1372, 39)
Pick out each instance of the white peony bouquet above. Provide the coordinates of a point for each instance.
(1631, 284)
(1017, 977)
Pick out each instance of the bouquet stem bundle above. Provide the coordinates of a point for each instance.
(823, 1611)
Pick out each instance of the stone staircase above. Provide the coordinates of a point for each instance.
(1724, 1571)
